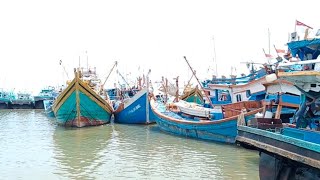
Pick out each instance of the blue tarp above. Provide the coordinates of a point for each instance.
(305, 47)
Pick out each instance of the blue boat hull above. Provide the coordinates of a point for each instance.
(224, 130)
(80, 106)
(136, 111)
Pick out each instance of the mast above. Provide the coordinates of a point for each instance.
(269, 39)
(147, 98)
(215, 57)
(198, 82)
(87, 61)
(115, 64)
(176, 99)
(76, 73)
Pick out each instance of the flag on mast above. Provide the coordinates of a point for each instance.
(267, 55)
(298, 23)
(279, 50)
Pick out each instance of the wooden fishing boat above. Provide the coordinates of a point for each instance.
(235, 89)
(231, 93)
(295, 151)
(80, 104)
(133, 107)
(134, 110)
(221, 130)
(193, 95)
(291, 150)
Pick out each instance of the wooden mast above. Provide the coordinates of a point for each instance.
(198, 81)
(165, 87)
(77, 96)
(115, 64)
(188, 83)
(176, 99)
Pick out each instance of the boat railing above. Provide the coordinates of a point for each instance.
(235, 109)
(304, 65)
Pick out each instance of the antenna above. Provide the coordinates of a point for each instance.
(269, 39)
(87, 61)
(60, 62)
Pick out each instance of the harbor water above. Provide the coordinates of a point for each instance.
(33, 146)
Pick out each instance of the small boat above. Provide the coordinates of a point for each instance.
(5, 99)
(23, 100)
(45, 94)
(48, 107)
(80, 104)
(196, 110)
(214, 129)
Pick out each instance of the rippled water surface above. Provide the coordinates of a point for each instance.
(33, 146)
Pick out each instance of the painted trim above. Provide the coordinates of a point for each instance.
(233, 118)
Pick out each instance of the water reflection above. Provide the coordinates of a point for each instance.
(33, 146)
(78, 150)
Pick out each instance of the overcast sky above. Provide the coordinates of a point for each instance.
(35, 35)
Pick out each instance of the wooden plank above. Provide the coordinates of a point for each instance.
(299, 73)
(280, 152)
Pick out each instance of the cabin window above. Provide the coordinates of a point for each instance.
(238, 97)
(248, 93)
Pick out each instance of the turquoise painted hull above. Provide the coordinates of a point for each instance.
(90, 112)
(194, 99)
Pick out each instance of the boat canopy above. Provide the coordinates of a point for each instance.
(305, 47)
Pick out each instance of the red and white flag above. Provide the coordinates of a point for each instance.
(298, 23)
(267, 55)
(280, 51)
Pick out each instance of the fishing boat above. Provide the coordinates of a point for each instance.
(45, 94)
(5, 99)
(194, 95)
(134, 110)
(291, 150)
(22, 100)
(80, 104)
(134, 106)
(247, 88)
(214, 129)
